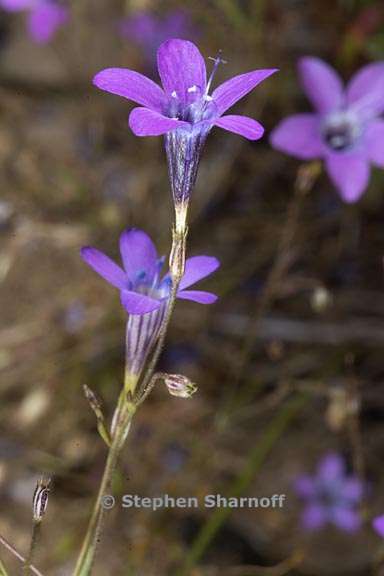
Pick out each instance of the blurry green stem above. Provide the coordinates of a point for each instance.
(255, 460)
(35, 535)
(13, 551)
(123, 417)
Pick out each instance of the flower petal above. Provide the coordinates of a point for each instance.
(374, 142)
(15, 5)
(350, 175)
(228, 93)
(299, 135)
(44, 21)
(131, 85)
(145, 122)
(136, 303)
(365, 91)
(247, 127)
(353, 489)
(331, 467)
(321, 83)
(139, 255)
(197, 296)
(104, 266)
(305, 487)
(346, 519)
(314, 516)
(196, 268)
(378, 525)
(181, 66)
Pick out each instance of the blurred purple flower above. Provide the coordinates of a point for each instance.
(378, 525)
(183, 110)
(44, 17)
(331, 496)
(148, 31)
(345, 130)
(142, 289)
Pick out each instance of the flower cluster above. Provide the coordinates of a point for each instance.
(331, 496)
(346, 129)
(45, 17)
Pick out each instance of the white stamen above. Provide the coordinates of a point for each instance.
(192, 88)
(174, 94)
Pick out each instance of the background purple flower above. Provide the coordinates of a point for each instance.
(378, 525)
(331, 496)
(44, 18)
(148, 30)
(345, 130)
(142, 289)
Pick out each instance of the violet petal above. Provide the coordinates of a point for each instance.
(349, 173)
(247, 127)
(321, 83)
(314, 516)
(146, 122)
(365, 91)
(231, 91)
(139, 255)
(104, 266)
(346, 519)
(131, 85)
(196, 268)
(199, 296)
(331, 467)
(378, 525)
(374, 142)
(181, 66)
(44, 21)
(136, 303)
(299, 135)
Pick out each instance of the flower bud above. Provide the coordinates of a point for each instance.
(40, 499)
(179, 385)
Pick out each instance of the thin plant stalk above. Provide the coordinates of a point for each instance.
(86, 558)
(36, 526)
(17, 554)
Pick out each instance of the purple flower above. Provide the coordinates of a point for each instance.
(44, 18)
(142, 289)
(148, 30)
(183, 109)
(144, 294)
(331, 496)
(378, 525)
(345, 130)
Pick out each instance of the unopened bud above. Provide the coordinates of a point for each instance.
(179, 385)
(40, 499)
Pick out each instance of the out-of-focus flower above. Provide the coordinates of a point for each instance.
(378, 525)
(331, 496)
(345, 129)
(141, 287)
(184, 110)
(45, 17)
(148, 30)
(143, 292)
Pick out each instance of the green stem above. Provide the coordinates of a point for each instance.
(87, 554)
(254, 463)
(13, 551)
(34, 538)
